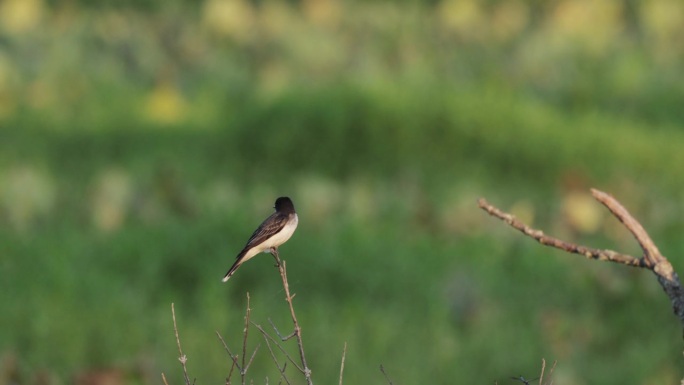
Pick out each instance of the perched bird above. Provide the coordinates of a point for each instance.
(273, 232)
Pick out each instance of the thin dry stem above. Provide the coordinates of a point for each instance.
(382, 369)
(551, 372)
(252, 357)
(651, 253)
(245, 333)
(297, 329)
(266, 335)
(541, 376)
(539, 236)
(275, 329)
(652, 259)
(244, 367)
(182, 358)
(275, 360)
(233, 358)
(344, 354)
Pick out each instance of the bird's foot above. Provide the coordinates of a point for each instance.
(274, 253)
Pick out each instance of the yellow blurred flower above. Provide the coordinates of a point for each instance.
(18, 16)
(593, 23)
(524, 211)
(582, 212)
(663, 18)
(229, 18)
(663, 22)
(463, 17)
(165, 104)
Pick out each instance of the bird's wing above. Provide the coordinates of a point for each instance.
(271, 226)
(267, 229)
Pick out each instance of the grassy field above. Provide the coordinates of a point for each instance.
(141, 150)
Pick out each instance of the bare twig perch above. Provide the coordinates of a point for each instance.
(297, 330)
(344, 354)
(652, 259)
(182, 357)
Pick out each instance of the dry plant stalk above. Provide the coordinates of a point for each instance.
(182, 357)
(382, 369)
(651, 259)
(233, 358)
(303, 368)
(244, 367)
(344, 354)
(297, 329)
(281, 369)
(268, 337)
(541, 377)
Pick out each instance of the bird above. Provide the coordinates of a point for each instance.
(271, 233)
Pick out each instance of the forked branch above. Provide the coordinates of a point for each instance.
(244, 367)
(297, 330)
(182, 357)
(652, 259)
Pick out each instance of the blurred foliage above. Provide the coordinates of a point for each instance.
(141, 142)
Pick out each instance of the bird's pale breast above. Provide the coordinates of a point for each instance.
(282, 236)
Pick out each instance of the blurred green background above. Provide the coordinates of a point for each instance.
(141, 142)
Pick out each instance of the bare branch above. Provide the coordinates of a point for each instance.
(297, 329)
(541, 377)
(285, 338)
(539, 236)
(344, 354)
(233, 357)
(652, 258)
(275, 360)
(551, 372)
(382, 369)
(651, 252)
(182, 358)
(266, 335)
(252, 357)
(245, 332)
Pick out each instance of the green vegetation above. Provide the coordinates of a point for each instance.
(139, 147)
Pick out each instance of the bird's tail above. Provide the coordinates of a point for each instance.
(238, 262)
